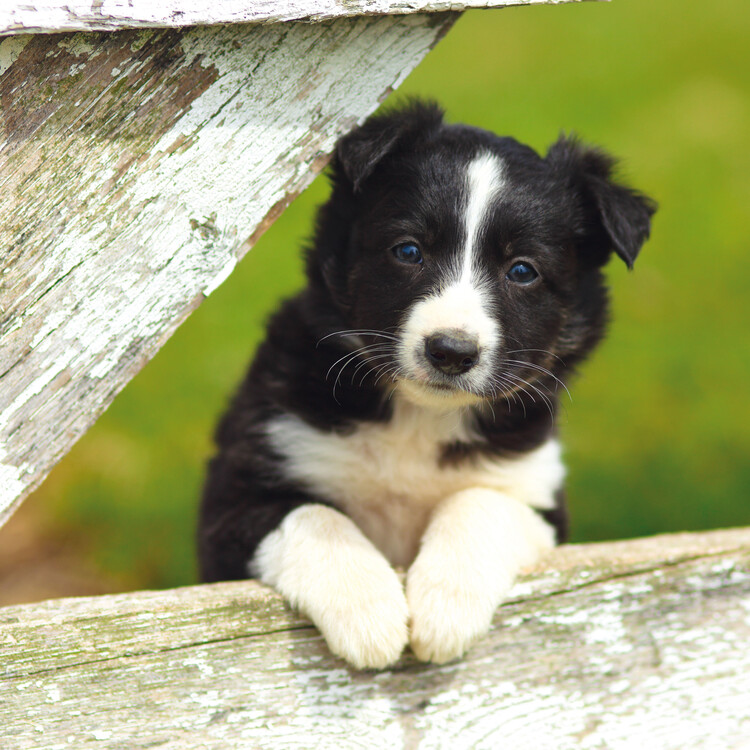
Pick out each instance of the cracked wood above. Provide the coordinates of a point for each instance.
(620, 645)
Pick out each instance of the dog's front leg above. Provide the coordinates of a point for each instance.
(324, 565)
(471, 552)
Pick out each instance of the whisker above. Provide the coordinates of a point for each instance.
(380, 372)
(494, 418)
(499, 391)
(359, 332)
(395, 373)
(539, 368)
(352, 355)
(507, 388)
(368, 361)
(373, 349)
(544, 398)
(543, 351)
(507, 383)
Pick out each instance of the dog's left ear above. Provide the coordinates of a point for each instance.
(359, 152)
(624, 214)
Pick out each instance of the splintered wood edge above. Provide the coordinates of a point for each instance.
(83, 15)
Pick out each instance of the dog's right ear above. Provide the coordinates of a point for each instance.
(359, 152)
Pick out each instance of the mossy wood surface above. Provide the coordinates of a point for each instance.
(136, 168)
(623, 645)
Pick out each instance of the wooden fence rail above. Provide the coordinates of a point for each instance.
(640, 644)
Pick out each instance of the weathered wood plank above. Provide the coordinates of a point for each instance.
(134, 166)
(40, 16)
(631, 644)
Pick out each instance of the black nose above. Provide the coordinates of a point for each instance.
(452, 353)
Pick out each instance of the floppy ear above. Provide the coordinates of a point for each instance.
(359, 152)
(623, 214)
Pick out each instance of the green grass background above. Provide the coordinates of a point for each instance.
(658, 433)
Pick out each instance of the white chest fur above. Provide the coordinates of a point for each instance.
(387, 476)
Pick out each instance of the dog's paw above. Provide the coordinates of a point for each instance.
(367, 627)
(325, 567)
(445, 619)
(473, 548)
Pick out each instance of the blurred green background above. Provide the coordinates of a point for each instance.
(658, 432)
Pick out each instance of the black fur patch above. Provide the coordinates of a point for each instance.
(402, 177)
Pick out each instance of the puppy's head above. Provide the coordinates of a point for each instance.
(467, 266)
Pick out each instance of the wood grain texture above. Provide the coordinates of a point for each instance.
(134, 166)
(624, 645)
(44, 16)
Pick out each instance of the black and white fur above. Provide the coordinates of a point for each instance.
(400, 411)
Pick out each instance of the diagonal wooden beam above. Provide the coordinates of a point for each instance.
(137, 167)
(134, 166)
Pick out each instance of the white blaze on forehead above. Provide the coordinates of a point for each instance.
(461, 300)
(484, 178)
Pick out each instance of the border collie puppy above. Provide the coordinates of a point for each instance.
(401, 410)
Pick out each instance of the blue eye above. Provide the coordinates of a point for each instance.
(522, 273)
(407, 253)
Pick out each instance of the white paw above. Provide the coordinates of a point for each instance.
(366, 626)
(445, 618)
(474, 546)
(323, 564)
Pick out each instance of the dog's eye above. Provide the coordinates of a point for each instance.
(522, 273)
(408, 252)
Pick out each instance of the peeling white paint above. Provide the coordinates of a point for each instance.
(32, 390)
(209, 699)
(108, 292)
(608, 628)
(619, 686)
(204, 667)
(81, 15)
(11, 486)
(53, 694)
(10, 49)
(220, 277)
(78, 45)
